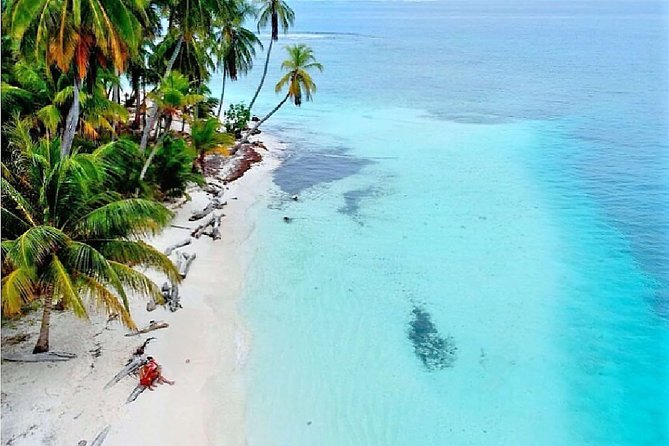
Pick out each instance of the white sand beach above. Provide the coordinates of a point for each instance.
(203, 349)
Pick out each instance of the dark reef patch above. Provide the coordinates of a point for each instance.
(436, 352)
(353, 198)
(305, 169)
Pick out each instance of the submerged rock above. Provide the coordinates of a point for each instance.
(436, 352)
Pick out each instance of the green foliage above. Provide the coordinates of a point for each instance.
(175, 94)
(236, 118)
(300, 60)
(61, 229)
(172, 168)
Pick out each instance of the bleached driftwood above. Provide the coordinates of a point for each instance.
(39, 357)
(184, 261)
(178, 244)
(197, 232)
(171, 295)
(215, 230)
(100, 438)
(153, 325)
(132, 366)
(151, 305)
(135, 393)
(213, 205)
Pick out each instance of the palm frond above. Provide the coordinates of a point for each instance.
(62, 284)
(123, 218)
(139, 253)
(136, 282)
(17, 289)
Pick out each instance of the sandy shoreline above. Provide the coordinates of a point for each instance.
(204, 349)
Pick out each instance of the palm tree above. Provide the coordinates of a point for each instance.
(205, 137)
(235, 45)
(300, 60)
(276, 12)
(189, 22)
(65, 238)
(173, 96)
(72, 36)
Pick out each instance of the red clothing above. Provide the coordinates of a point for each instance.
(148, 373)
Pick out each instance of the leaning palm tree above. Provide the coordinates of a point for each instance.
(73, 36)
(278, 13)
(235, 45)
(300, 85)
(66, 239)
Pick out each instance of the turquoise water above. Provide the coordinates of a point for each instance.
(479, 254)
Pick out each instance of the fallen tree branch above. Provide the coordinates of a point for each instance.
(197, 233)
(178, 244)
(215, 231)
(137, 391)
(214, 204)
(39, 357)
(171, 295)
(183, 263)
(100, 438)
(153, 325)
(132, 366)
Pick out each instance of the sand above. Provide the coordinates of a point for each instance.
(203, 350)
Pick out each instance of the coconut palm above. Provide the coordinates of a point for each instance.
(75, 36)
(66, 239)
(189, 25)
(300, 85)
(205, 137)
(173, 96)
(235, 45)
(278, 14)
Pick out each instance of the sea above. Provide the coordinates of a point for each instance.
(479, 249)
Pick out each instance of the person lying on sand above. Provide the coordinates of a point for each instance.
(151, 374)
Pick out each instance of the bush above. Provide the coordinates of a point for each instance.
(172, 168)
(236, 118)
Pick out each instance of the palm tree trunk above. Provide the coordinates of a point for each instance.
(220, 104)
(264, 74)
(117, 87)
(146, 165)
(136, 85)
(246, 137)
(71, 121)
(153, 114)
(42, 344)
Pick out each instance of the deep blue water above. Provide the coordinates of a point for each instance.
(492, 176)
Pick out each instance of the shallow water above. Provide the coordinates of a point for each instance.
(479, 252)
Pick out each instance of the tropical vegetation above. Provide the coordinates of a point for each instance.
(84, 169)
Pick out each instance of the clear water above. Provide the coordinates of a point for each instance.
(497, 172)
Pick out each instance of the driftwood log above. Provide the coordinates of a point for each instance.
(171, 295)
(39, 357)
(197, 232)
(213, 205)
(132, 366)
(179, 244)
(99, 438)
(153, 325)
(137, 391)
(184, 261)
(216, 231)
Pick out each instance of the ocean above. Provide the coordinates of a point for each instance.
(480, 250)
